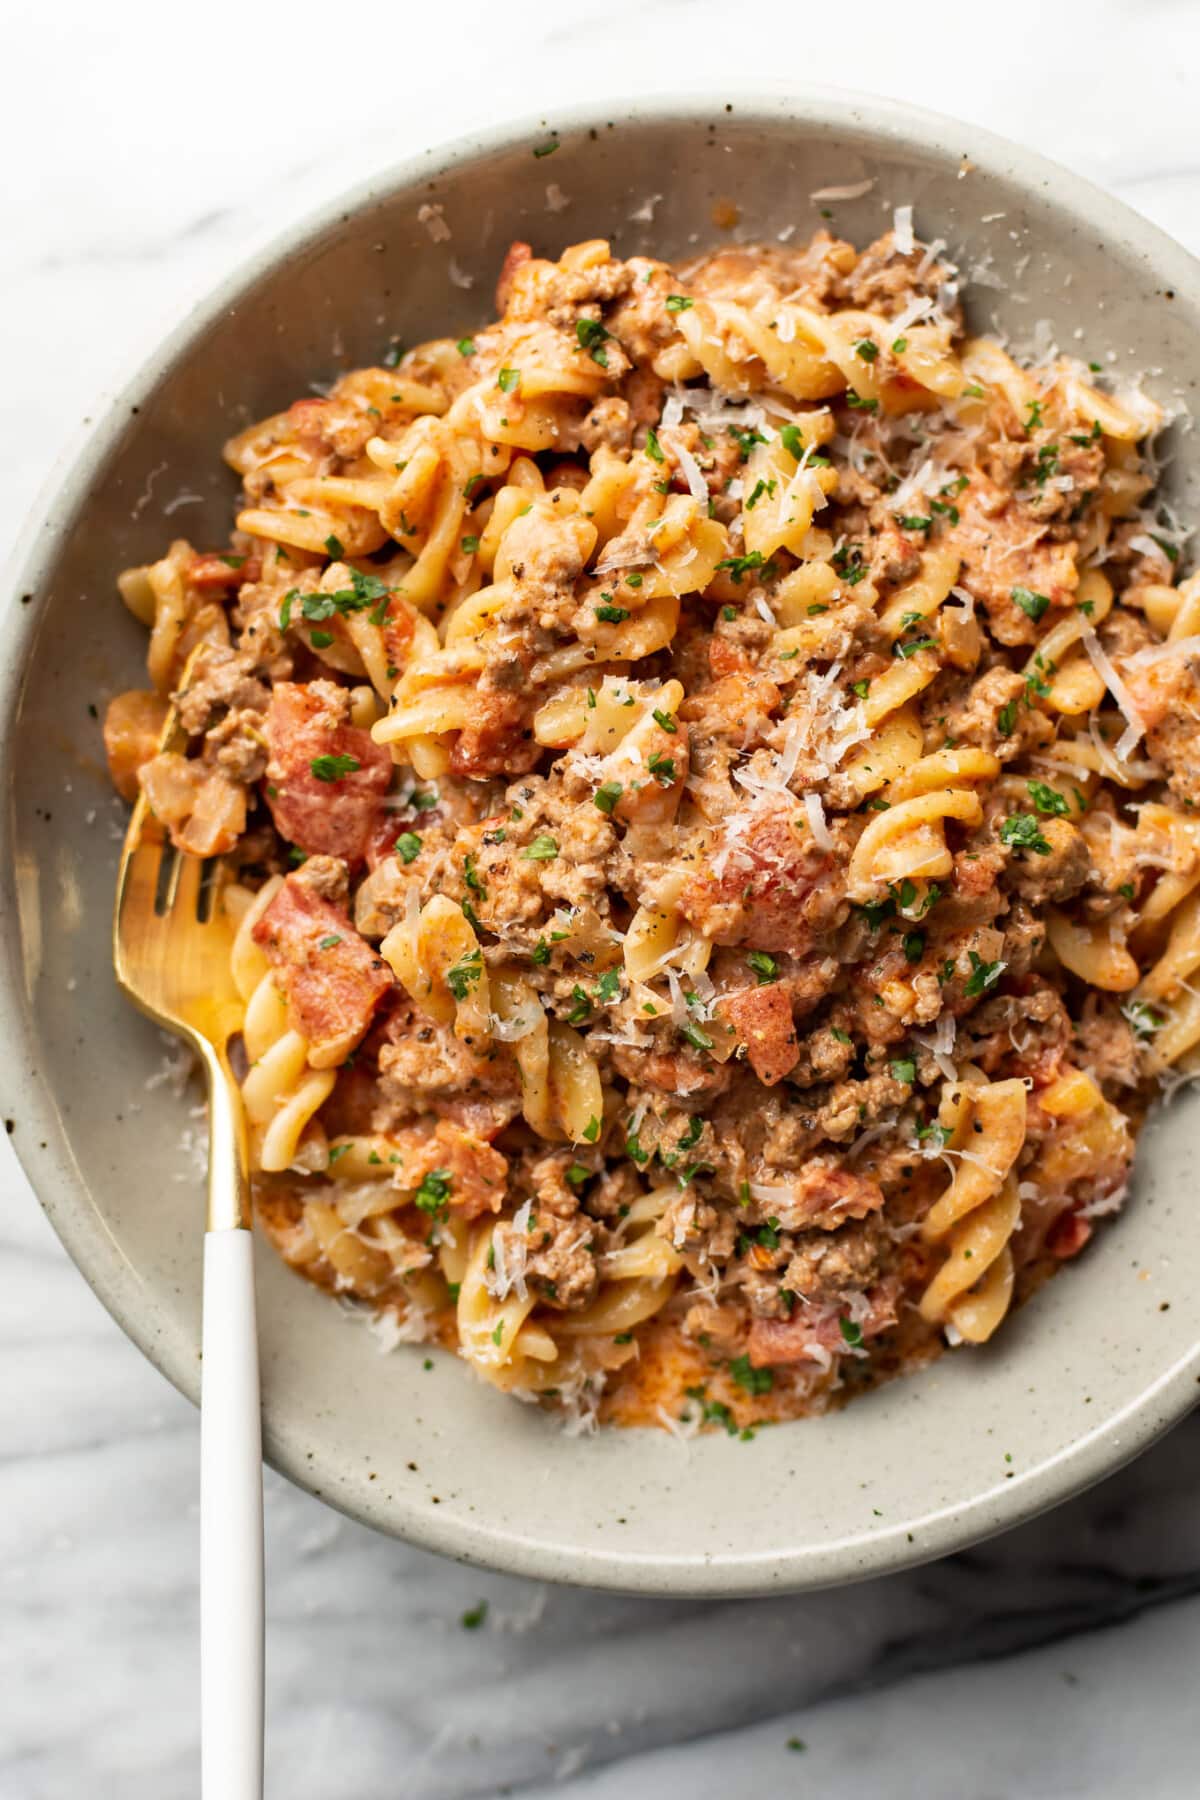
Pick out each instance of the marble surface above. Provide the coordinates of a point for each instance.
(145, 152)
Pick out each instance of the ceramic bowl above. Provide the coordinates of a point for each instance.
(1076, 1383)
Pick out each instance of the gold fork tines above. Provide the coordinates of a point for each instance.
(171, 954)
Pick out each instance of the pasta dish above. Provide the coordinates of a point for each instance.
(703, 777)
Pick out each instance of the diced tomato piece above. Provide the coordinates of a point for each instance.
(727, 658)
(325, 779)
(762, 1020)
(497, 738)
(776, 890)
(208, 571)
(1068, 1235)
(331, 978)
(476, 1174)
(399, 624)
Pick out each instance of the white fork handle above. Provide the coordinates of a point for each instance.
(231, 1526)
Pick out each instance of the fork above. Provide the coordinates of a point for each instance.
(171, 949)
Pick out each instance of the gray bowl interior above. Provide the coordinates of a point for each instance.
(1100, 1363)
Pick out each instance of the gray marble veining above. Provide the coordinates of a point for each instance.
(152, 150)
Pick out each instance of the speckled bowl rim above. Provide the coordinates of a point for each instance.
(41, 1144)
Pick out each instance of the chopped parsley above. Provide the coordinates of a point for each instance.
(664, 720)
(910, 649)
(1006, 718)
(433, 1193)
(634, 1151)
(849, 564)
(507, 380)
(983, 975)
(471, 1621)
(714, 1412)
(611, 615)
(654, 449)
(678, 303)
(1143, 1018)
(333, 768)
(408, 846)
(662, 768)
(607, 795)
(858, 404)
(699, 1039)
(867, 348)
(1033, 605)
(914, 946)
(544, 848)
(739, 565)
(462, 975)
(755, 1381)
(591, 335)
(1021, 831)
(335, 547)
(546, 149)
(1047, 799)
(608, 988)
(904, 1070)
(747, 437)
(469, 544)
(465, 346)
(851, 1333)
(764, 966)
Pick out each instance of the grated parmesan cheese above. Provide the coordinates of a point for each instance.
(871, 1135)
(556, 200)
(689, 467)
(902, 230)
(817, 822)
(1102, 663)
(853, 190)
(1156, 653)
(918, 308)
(430, 216)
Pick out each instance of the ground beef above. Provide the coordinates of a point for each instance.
(827, 1264)
(1055, 875)
(887, 281)
(424, 1067)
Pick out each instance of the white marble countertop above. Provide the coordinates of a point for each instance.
(145, 152)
